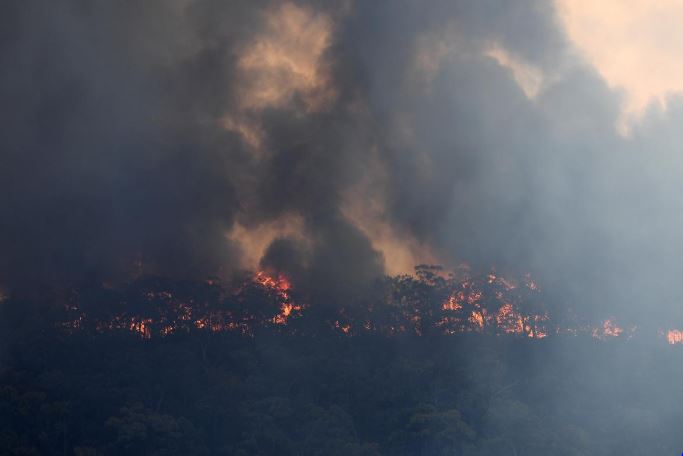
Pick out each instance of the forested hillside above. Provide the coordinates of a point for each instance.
(201, 392)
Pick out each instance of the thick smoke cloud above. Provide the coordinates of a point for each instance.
(117, 157)
(106, 162)
(136, 137)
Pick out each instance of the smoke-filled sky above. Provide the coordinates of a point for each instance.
(340, 141)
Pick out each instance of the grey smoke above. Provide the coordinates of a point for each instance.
(112, 153)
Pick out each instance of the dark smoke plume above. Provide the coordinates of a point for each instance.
(137, 136)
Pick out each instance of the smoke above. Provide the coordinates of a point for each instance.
(182, 138)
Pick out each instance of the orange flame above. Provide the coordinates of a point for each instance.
(674, 336)
(346, 328)
(477, 319)
(142, 327)
(608, 329)
(472, 304)
(282, 287)
(280, 284)
(452, 304)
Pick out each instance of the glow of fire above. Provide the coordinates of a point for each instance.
(608, 329)
(674, 336)
(282, 287)
(345, 328)
(464, 311)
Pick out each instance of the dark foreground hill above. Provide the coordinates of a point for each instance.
(205, 393)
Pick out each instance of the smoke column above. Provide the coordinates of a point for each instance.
(333, 141)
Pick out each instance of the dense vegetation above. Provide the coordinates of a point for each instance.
(327, 393)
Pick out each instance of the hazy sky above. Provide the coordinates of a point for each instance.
(636, 45)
